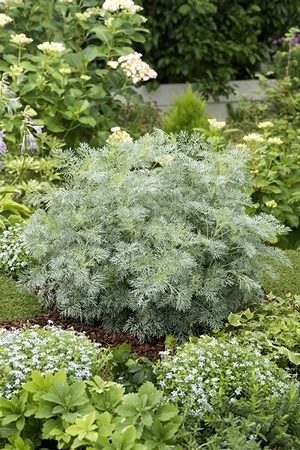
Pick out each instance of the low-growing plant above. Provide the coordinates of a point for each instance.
(13, 255)
(187, 113)
(47, 349)
(274, 326)
(11, 212)
(150, 236)
(232, 393)
(50, 410)
(126, 368)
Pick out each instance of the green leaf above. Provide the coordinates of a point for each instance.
(102, 33)
(166, 412)
(234, 320)
(74, 60)
(88, 120)
(53, 124)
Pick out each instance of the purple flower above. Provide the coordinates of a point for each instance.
(279, 40)
(30, 140)
(38, 128)
(3, 148)
(295, 39)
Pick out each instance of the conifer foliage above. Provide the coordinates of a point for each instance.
(150, 236)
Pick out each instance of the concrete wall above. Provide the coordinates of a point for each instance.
(164, 96)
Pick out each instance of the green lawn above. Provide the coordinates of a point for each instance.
(15, 304)
(288, 277)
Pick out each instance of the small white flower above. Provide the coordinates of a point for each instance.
(118, 135)
(275, 140)
(51, 48)
(4, 20)
(20, 39)
(253, 137)
(216, 125)
(136, 69)
(15, 70)
(112, 64)
(85, 77)
(266, 124)
(123, 5)
(65, 70)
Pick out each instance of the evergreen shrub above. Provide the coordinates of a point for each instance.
(233, 394)
(187, 113)
(150, 236)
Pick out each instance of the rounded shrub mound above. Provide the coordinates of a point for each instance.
(150, 236)
(48, 349)
(233, 393)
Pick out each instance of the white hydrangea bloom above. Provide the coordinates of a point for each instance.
(136, 69)
(88, 13)
(15, 70)
(123, 5)
(20, 39)
(4, 20)
(215, 124)
(266, 124)
(253, 137)
(118, 135)
(65, 70)
(275, 140)
(51, 48)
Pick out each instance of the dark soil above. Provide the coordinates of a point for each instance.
(95, 332)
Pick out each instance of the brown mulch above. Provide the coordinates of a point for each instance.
(95, 332)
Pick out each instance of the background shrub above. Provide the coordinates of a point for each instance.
(212, 42)
(187, 113)
(150, 236)
(231, 394)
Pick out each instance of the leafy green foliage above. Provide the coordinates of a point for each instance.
(150, 236)
(232, 393)
(277, 167)
(92, 415)
(11, 212)
(274, 327)
(187, 113)
(128, 369)
(47, 349)
(204, 41)
(61, 67)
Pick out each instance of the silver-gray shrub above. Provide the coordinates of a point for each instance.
(150, 236)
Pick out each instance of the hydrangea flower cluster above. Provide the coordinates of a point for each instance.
(51, 48)
(46, 349)
(216, 124)
(200, 370)
(121, 5)
(133, 66)
(20, 39)
(4, 20)
(118, 135)
(14, 256)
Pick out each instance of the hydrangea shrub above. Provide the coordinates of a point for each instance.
(48, 350)
(221, 385)
(150, 236)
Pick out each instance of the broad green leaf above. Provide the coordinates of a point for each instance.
(234, 320)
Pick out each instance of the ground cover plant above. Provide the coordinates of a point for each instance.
(231, 395)
(47, 349)
(150, 237)
(95, 414)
